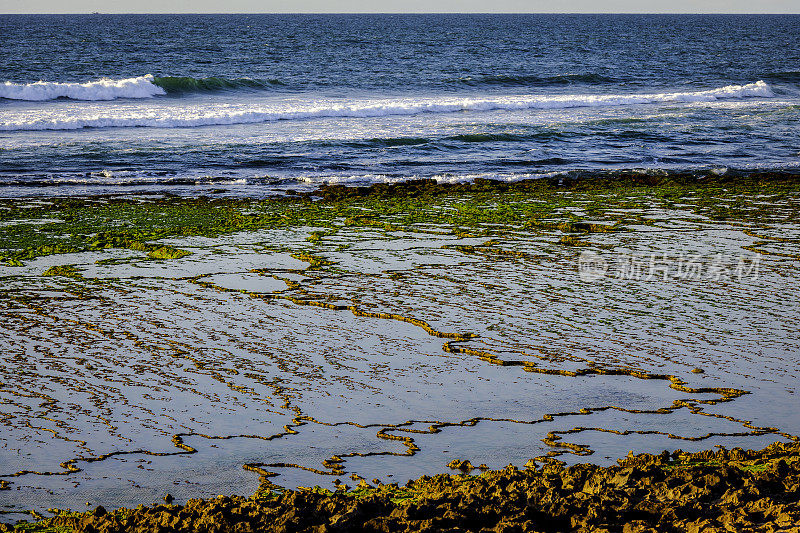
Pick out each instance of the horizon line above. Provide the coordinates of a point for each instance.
(403, 13)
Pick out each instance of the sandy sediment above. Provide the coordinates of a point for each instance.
(723, 490)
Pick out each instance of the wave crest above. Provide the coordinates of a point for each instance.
(140, 87)
(193, 116)
(185, 84)
(103, 89)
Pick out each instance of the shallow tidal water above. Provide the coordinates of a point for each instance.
(414, 347)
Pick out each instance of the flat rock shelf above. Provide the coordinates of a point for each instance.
(154, 345)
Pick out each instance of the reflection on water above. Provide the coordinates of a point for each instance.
(197, 375)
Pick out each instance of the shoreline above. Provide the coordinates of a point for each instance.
(567, 180)
(378, 205)
(723, 490)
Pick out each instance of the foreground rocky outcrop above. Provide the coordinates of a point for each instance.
(724, 490)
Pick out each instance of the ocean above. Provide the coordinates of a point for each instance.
(254, 105)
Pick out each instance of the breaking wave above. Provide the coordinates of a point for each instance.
(104, 89)
(194, 116)
(146, 86)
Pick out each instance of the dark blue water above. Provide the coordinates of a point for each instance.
(256, 103)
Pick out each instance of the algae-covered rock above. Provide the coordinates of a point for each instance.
(68, 271)
(708, 491)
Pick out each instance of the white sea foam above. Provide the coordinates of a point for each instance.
(186, 116)
(105, 89)
(369, 179)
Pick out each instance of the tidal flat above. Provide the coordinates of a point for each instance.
(157, 345)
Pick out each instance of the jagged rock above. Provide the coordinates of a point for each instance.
(736, 490)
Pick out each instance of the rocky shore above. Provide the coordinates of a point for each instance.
(723, 490)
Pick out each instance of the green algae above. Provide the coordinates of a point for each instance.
(460, 211)
(167, 252)
(316, 236)
(392, 492)
(483, 208)
(62, 270)
(571, 240)
(37, 527)
(43, 525)
(759, 464)
(313, 260)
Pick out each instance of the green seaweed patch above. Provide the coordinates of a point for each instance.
(45, 525)
(39, 527)
(585, 227)
(16, 257)
(572, 240)
(772, 457)
(167, 252)
(153, 251)
(315, 236)
(63, 270)
(483, 208)
(111, 261)
(313, 260)
(394, 493)
(391, 492)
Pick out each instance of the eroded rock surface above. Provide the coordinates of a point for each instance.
(734, 490)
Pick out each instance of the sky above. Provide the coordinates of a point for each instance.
(400, 6)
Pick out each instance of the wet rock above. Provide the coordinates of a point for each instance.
(722, 490)
(464, 466)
